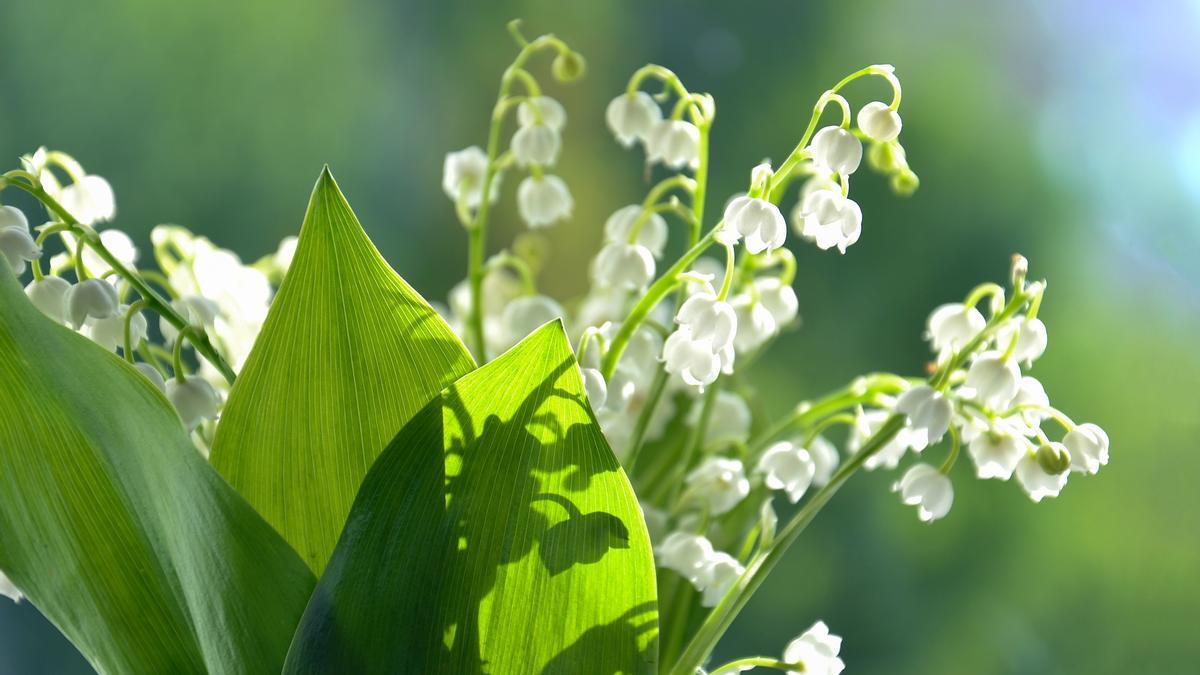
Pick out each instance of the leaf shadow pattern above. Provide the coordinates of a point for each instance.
(496, 534)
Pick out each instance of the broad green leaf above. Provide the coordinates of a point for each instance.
(497, 533)
(116, 528)
(348, 354)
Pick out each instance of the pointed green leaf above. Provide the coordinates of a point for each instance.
(116, 528)
(497, 533)
(348, 354)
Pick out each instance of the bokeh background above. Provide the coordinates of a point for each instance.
(1068, 130)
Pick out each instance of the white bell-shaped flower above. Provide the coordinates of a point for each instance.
(719, 482)
(755, 323)
(11, 216)
(828, 219)
(525, 315)
(196, 310)
(825, 460)
(717, 577)
(786, 467)
(929, 413)
(879, 122)
(49, 295)
(866, 423)
(544, 200)
(675, 143)
(817, 649)
(550, 111)
(629, 266)
(836, 150)
(1032, 399)
(928, 489)
(195, 400)
(708, 319)
(151, 373)
(695, 360)
(90, 200)
(536, 144)
(779, 299)
(18, 246)
(110, 332)
(758, 221)
(9, 590)
(118, 244)
(728, 422)
(595, 387)
(1030, 335)
(91, 298)
(993, 380)
(463, 173)
(1037, 482)
(1088, 445)
(652, 235)
(632, 117)
(996, 453)
(640, 357)
(952, 325)
(686, 554)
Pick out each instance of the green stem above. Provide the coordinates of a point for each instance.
(129, 314)
(755, 661)
(722, 616)
(187, 333)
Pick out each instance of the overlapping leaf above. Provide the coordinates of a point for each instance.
(497, 533)
(348, 354)
(116, 528)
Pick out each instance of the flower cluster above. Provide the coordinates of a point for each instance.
(97, 286)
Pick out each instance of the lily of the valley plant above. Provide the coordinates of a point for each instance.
(300, 465)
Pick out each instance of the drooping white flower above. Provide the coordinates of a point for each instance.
(686, 554)
(1030, 335)
(463, 173)
(595, 387)
(1036, 480)
(551, 111)
(109, 332)
(91, 298)
(728, 422)
(652, 235)
(195, 400)
(1031, 397)
(993, 380)
(708, 318)
(18, 246)
(779, 299)
(632, 117)
(536, 144)
(717, 577)
(1088, 445)
(755, 323)
(118, 244)
(151, 373)
(525, 315)
(544, 200)
(90, 200)
(836, 150)
(825, 460)
(693, 359)
(11, 216)
(828, 219)
(9, 590)
(758, 220)
(196, 310)
(952, 325)
(817, 650)
(675, 143)
(49, 295)
(866, 423)
(787, 467)
(879, 122)
(720, 482)
(996, 453)
(928, 489)
(929, 413)
(621, 265)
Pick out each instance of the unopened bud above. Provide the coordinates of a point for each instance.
(568, 66)
(905, 182)
(1054, 458)
(1020, 269)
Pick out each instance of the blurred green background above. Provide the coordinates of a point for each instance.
(1068, 130)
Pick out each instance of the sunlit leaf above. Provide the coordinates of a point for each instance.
(348, 354)
(113, 524)
(497, 533)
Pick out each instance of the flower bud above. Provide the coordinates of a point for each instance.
(621, 265)
(109, 332)
(91, 298)
(568, 66)
(837, 150)
(1054, 458)
(904, 182)
(879, 122)
(195, 400)
(49, 295)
